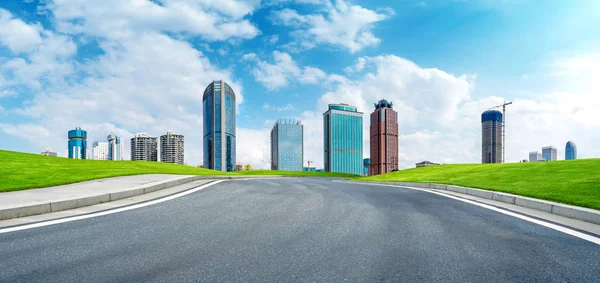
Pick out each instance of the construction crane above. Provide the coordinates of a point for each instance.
(503, 105)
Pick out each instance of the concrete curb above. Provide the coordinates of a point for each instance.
(575, 212)
(95, 199)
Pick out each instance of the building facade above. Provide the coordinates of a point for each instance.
(99, 150)
(342, 139)
(366, 166)
(287, 150)
(426, 164)
(535, 156)
(77, 145)
(491, 137)
(549, 153)
(571, 151)
(218, 103)
(171, 148)
(115, 147)
(144, 148)
(384, 138)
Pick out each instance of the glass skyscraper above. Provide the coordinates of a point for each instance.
(342, 139)
(571, 151)
(115, 147)
(218, 104)
(77, 144)
(287, 152)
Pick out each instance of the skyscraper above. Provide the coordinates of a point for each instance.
(384, 138)
(342, 139)
(143, 148)
(115, 147)
(287, 151)
(171, 148)
(549, 153)
(77, 146)
(218, 103)
(535, 156)
(491, 137)
(100, 150)
(571, 151)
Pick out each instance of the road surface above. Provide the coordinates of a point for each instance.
(299, 230)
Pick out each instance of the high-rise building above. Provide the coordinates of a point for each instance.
(342, 139)
(491, 137)
(115, 147)
(384, 138)
(218, 103)
(287, 152)
(143, 148)
(571, 151)
(549, 153)
(77, 146)
(535, 156)
(48, 152)
(171, 148)
(366, 166)
(100, 150)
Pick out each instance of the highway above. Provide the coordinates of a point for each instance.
(299, 230)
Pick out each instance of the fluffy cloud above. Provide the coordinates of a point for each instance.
(287, 107)
(282, 71)
(17, 35)
(340, 24)
(212, 20)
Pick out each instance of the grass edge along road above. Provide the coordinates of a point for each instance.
(21, 171)
(574, 182)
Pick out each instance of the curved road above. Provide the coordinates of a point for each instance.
(304, 230)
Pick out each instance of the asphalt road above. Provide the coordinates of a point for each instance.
(304, 230)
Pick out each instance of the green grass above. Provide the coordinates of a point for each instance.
(20, 171)
(575, 182)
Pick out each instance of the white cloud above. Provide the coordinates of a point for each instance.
(282, 71)
(273, 39)
(358, 67)
(258, 152)
(212, 20)
(7, 93)
(339, 24)
(17, 35)
(287, 107)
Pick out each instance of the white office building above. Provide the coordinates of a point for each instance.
(535, 156)
(549, 153)
(100, 150)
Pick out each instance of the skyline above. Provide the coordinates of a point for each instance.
(443, 66)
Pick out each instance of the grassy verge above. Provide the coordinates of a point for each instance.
(575, 182)
(19, 171)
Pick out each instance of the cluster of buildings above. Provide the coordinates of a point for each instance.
(549, 153)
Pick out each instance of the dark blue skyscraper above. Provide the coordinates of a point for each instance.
(218, 104)
(343, 143)
(571, 151)
(287, 152)
(77, 144)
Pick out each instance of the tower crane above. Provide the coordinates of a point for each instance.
(503, 105)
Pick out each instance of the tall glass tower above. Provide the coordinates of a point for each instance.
(571, 151)
(77, 144)
(115, 147)
(287, 152)
(342, 139)
(491, 137)
(218, 105)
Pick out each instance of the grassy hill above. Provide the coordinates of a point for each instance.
(19, 171)
(575, 182)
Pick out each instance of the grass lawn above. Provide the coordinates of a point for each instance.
(19, 171)
(575, 182)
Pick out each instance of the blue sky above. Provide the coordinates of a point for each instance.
(141, 66)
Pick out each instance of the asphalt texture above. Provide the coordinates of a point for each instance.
(299, 230)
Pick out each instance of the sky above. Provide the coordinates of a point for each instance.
(131, 66)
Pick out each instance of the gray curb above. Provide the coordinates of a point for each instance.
(93, 200)
(575, 212)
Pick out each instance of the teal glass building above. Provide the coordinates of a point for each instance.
(77, 144)
(218, 104)
(342, 139)
(287, 151)
(571, 151)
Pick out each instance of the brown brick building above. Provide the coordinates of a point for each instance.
(384, 138)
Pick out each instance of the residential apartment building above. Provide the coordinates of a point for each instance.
(287, 151)
(144, 148)
(171, 148)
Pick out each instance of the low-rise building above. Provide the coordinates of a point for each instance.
(49, 152)
(426, 164)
